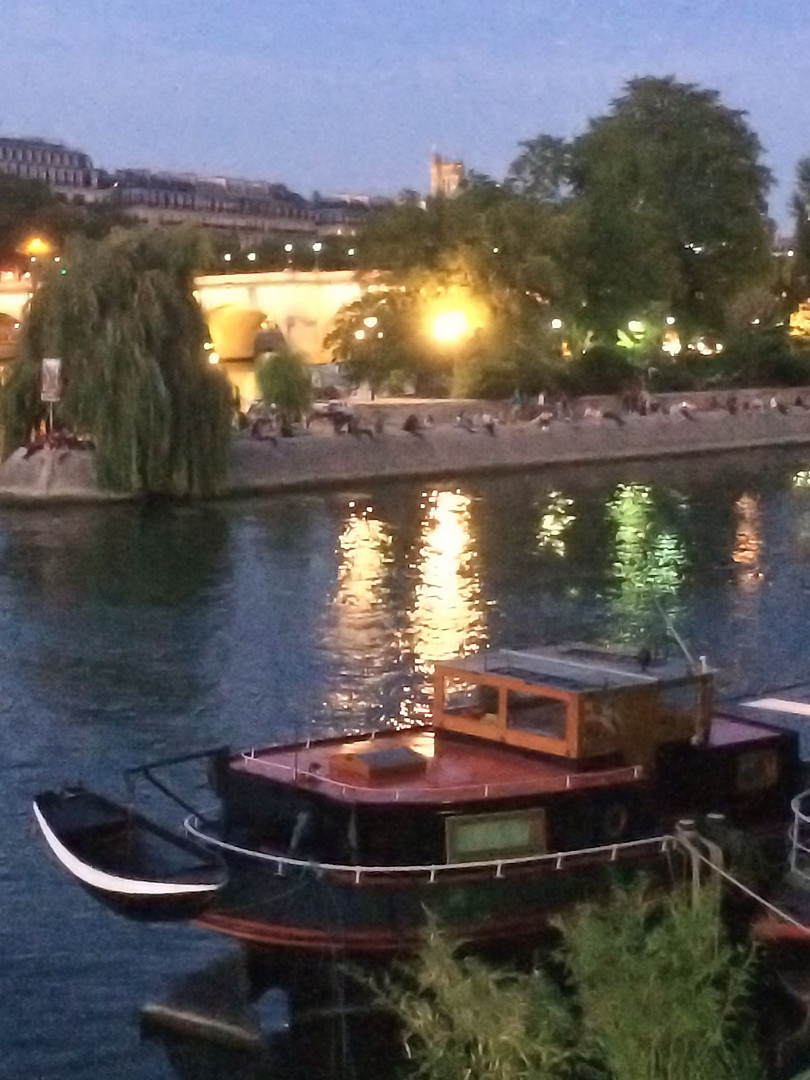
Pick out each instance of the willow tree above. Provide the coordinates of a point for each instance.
(121, 315)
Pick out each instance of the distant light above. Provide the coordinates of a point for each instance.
(791, 253)
(450, 325)
(495, 250)
(33, 258)
(370, 321)
(288, 248)
(317, 246)
(227, 257)
(351, 251)
(719, 346)
(670, 320)
(208, 346)
(359, 334)
(556, 324)
(213, 358)
(251, 256)
(57, 258)
(755, 322)
(635, 326)
(380, 334)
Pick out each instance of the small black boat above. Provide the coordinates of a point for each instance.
(132, 865)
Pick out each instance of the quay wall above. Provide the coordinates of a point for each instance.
(319, 458)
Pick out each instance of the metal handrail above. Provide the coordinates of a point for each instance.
(799, 819)
(434, 870)
(572, 780)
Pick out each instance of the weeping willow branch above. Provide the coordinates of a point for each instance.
(130, 334)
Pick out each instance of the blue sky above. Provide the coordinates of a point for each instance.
(352, 95)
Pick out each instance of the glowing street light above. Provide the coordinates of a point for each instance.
(360, 334)
(351, 251)
(556, 324)
(227, 256)
(450, 325)
(36, 245)
(370, 321)
(213, 358)
(670, 320)
(251, 256)
(317, 247)
(635, 326)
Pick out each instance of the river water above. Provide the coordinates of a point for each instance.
(131, 633)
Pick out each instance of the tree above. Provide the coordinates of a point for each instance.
(284, 381)
(121, 315)
(673, 194)
(543, 169)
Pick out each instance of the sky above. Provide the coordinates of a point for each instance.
(354, 95)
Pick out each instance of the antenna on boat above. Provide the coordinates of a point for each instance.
(670, 625)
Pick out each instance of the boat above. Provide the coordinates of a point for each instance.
(129, 863)
(542, 775)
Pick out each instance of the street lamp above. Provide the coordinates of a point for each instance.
(288, 248)
(450, 325)
(317, 248)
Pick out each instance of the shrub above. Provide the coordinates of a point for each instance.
(602, 369)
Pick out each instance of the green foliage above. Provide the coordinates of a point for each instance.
(130, 334)
(673, 190)
(602, 369)
(765, 358)
(653, 990)
(663, 994)
(464, 1021)
(284, 381)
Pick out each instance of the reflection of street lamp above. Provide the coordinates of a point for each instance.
(317, 248)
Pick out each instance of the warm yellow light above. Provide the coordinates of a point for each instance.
(635, 326)
(370, 321)
(359, 334)
(450, 325)
(213, 358)
(35, 245)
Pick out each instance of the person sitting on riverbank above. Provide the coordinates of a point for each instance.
(263, 429)
(464, 421)
(413, 425)
(488, 423)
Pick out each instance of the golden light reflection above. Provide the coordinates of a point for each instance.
(361, 629)
(748, 542)
(448, 616)
(648, 562)
(554, 520)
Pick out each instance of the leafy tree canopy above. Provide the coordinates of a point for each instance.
(674, 196)
(121, 315)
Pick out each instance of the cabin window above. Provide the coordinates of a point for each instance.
(470, 699)
(536, 714)
(479, 837)
(757, 770)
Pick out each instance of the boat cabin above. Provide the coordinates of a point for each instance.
(575, 701)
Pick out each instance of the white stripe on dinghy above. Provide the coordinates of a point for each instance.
(99, 879)
(799, 708)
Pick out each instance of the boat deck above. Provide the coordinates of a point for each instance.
(433, 766)
(423, 766)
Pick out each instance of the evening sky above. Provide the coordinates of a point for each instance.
(353, 95)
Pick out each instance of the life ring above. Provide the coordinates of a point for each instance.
(615, 820)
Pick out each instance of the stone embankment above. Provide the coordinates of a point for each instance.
(320, 458)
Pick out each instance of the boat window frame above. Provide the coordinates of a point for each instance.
(537, 843)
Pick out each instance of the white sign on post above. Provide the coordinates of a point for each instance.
(51, 385)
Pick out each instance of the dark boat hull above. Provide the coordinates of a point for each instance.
(303, 908)
(125, 861)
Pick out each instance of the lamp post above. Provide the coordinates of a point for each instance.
(317, 248)
(288, 250)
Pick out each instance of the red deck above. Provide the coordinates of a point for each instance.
(456, 770)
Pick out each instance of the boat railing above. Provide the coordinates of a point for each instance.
(800, 835)
(571, 781)
(556, 860)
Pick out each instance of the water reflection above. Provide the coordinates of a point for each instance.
(648, 564)
(447, 617)
(748, 542)
(363, 627)
(555, 520)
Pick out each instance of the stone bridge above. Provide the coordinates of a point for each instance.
(237, 307)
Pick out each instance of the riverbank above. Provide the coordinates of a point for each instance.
(320, 458)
